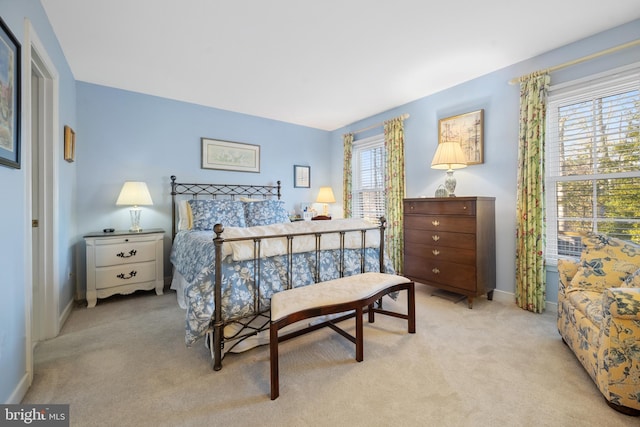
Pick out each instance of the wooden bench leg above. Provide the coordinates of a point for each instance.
(273, 357)
(411, 308)
(359, 338)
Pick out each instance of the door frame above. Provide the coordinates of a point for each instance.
(35, 57)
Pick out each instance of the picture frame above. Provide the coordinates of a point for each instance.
(229, 155)
(10, 74)
(468, 130)
(69, 144)
(301, 176)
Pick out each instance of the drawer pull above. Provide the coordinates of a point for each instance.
(131, 275)
(435, 223)
(132, 252)
(435, 252)
(435, 238)
(436, 271)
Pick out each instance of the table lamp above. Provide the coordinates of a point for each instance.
(449, 156)
(134, 193)
(325, 196)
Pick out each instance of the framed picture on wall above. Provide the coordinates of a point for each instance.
(301, 176)
(9, 98)
(69, 144)
(231, 156)
(467, 129)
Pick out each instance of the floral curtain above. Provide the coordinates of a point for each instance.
(530, 221)
(346, 175)
(394, 190)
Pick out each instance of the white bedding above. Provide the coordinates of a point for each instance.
(244, 250)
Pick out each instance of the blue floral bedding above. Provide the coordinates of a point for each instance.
(193, 257)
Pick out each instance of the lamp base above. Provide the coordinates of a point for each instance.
(450, 183)
(135, 219)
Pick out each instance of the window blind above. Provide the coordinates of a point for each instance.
(368, 178)
(592, 162)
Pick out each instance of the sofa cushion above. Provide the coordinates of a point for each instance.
(588, 303)
(605, 262)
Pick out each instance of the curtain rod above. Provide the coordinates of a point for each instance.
(583, 59)
(405, 116)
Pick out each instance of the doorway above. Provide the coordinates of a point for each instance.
(41, 180)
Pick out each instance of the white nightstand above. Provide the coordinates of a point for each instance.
(123, 262)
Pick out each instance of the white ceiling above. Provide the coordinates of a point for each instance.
(323, 63)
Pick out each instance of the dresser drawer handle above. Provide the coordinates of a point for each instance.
(436, 271)
(435, 238)
(131, 275)
(435, 252)
(132, 252)
(435, 223)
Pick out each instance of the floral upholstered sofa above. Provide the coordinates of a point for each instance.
(599, 316)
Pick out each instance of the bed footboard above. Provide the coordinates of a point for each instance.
(217, 325)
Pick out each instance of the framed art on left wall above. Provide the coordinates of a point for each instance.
(9, 98)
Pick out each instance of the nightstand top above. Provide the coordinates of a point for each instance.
(124, 233)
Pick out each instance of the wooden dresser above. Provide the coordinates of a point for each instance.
(449, 243)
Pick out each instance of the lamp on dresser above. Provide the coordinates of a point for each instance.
(449, 156)
(135, 194)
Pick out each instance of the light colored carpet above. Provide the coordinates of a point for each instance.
(124, 363)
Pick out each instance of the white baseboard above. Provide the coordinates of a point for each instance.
(65, 315)
(20, 391)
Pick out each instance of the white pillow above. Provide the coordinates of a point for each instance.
(184, 215)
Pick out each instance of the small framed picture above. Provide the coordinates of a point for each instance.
(69, 144)
(301, 176)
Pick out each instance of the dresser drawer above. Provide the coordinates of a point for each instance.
(432, 253)
(460, 276)
(460, 224)
(108, 277)
(436, 207)
(441, 239)
(126, 252)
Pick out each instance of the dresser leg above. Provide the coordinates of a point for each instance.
(470, 301)
(490, 295)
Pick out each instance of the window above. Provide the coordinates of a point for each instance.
(368, 165)
(593, 161)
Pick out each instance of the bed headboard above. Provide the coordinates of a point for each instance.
(214, 191)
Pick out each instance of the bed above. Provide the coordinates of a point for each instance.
(234, 246)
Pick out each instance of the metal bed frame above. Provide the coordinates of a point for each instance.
(258, 321)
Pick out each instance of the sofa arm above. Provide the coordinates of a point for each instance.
(619, 350)
(567, 268)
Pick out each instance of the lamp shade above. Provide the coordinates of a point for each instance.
(449, 155)
(134, 193)
(325, 195)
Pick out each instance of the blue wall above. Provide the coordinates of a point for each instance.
(129, 136)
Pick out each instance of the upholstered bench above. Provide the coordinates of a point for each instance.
(349, 295)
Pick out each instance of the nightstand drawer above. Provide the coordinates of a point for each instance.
(108, 277)
(125, 253)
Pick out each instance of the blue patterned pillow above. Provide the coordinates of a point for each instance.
(265, 212)
(207, 213)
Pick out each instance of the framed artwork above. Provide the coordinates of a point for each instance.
(301, 176)
(9, 98)
(231, 156)
(467, 129)
(69, 144)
